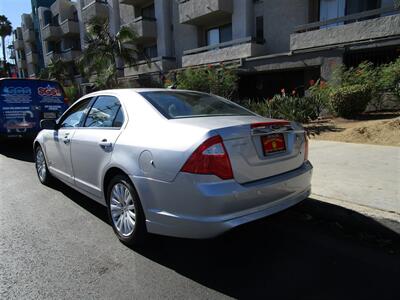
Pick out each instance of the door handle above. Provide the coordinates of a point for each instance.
(67, 141)
(105, 145)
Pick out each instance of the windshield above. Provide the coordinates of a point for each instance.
(176, 105)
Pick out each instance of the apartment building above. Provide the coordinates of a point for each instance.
(316, 37)
(20, 54)
(274, 44)
(60, 32)
(27, 42)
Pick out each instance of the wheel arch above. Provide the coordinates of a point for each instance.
(110, 174)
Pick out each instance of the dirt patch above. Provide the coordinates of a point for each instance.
(382, 129)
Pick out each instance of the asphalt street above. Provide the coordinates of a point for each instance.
(55, 243)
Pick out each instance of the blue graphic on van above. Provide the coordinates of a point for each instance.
(16, 90)
(23, 103)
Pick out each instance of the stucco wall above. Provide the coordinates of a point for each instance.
(280, 19)
(359, 31)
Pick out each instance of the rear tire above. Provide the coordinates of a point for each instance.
(125, 211)
(41, 167)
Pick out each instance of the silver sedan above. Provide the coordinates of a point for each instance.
(177, 163)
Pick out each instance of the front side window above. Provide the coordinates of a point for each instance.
(73, 117)
(105, 112)
(177, 105)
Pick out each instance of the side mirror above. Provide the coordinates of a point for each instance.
(48, 124)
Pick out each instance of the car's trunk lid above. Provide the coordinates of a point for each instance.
(243, 139)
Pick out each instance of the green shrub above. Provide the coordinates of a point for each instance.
(218, 80)
(320, 92)
(72, 93)
(286, 107)
(389, 79)
(348, 101)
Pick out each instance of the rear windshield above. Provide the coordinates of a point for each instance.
(176, 105)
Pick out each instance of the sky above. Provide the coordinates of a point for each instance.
(13, 9)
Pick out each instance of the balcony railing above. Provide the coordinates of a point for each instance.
(202, 12)
(70, 54)
(219, 46)
(32, 58)
(135, 2)
(145, 28)
(69, 27)
(159, 64)
(375, 13)
(51, 32)
(28, 35)
(19, 45)
(95, 8)
(228, 51)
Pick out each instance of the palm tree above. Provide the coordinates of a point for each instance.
(104, 51)
(59, 70)
(5, 30)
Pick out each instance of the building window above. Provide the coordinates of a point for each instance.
(331, 9)
(150, 51)
(47, 16)
(148, 12)
(357, 6)
(260, 29)
(219, 35)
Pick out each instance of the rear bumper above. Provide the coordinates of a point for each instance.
(186, 208)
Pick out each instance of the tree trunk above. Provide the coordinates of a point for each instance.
(4, 47)
(6, 66)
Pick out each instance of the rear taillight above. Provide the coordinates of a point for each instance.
(210, 157)
(305, 146)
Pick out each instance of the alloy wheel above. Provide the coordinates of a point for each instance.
(41, 165)
(122, 209)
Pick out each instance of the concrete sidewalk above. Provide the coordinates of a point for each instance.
(365, 175)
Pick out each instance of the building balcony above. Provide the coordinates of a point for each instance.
(51, 56)
(201, 12)
(21, 63)
(51, 33)
(135, 2)
(155, 65)
(95, 8)
(29, 35)
(145, 28)
(19, 45)
(70, 55)
(69, 28)
(229, 51)
(366, 26)
(32, 58)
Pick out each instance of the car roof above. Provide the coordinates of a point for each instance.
(127, 91)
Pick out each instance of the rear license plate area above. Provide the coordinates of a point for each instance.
(273, 143)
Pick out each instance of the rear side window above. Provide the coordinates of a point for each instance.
(105, 112)
(176, 105)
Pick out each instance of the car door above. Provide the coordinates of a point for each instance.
(93, 144)
(58, 145)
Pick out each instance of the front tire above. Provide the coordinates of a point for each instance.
(41, 167)
(125, 211)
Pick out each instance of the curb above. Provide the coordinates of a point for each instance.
(365, 210)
